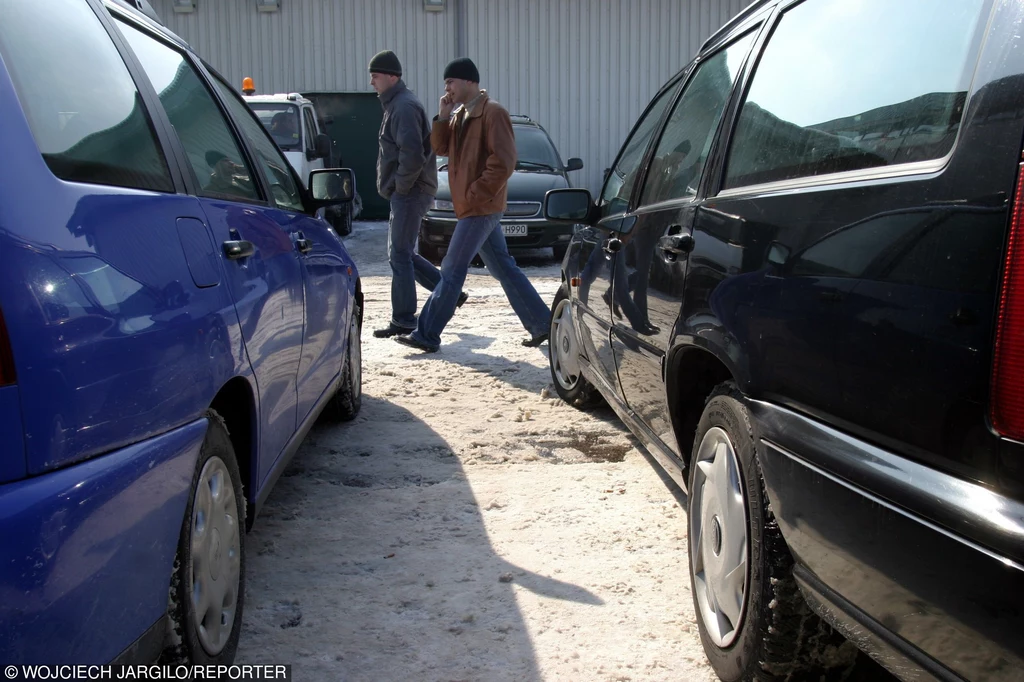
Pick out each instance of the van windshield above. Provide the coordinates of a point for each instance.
(282, 121)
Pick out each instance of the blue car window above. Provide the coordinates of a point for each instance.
(84, 110)
(283, 187)
(211, 147)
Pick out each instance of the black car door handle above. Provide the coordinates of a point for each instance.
(676, 243)
(303, 245)
(831, 295)
(235, 249)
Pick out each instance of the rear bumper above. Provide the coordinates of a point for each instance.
(437, 232)
(88, 550)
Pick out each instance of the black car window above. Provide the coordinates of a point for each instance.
(211, 147)
(283, 187)
(679, 158)
(81, 103)
(845, 86)
(619, 184)
(534, 149)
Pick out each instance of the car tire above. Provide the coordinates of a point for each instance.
(563, 356)
(345, 403)
(207, 591)
(559, 252)
(753, 622)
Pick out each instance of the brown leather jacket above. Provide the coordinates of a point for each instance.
(481, 157)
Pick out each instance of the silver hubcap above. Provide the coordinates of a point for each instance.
(355, 356)
(718, 532)
(216, 556)
(563, 350)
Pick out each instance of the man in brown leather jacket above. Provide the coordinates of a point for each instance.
(481, 150)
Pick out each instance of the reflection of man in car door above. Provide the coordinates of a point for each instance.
(227, 177)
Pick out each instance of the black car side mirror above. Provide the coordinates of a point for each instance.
(573, 164)
(568, 205)
(331, 186)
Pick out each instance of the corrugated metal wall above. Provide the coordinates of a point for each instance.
(584, 69)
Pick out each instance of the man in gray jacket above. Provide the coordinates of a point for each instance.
(407, 177)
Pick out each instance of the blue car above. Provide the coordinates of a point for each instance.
(174, 316)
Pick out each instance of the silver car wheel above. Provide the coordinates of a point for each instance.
(564, 349)
(718, 558)
(215, 556)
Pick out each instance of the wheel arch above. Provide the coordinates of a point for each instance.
(692, 372)
(235, 403)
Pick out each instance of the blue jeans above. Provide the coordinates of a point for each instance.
(407, 266)
(483, 235)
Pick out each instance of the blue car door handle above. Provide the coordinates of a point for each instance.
(303, 244)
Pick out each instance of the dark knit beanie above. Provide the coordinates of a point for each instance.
(386, 62)
(463, 68)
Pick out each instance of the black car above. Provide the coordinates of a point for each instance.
(538, 169)
(802, 287)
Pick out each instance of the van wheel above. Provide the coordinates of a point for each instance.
(753, 622)
(345, 403)
(341, 219)
(207, 590)
(564, 356)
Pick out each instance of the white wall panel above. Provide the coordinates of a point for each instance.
(584, 69)
(316, 45)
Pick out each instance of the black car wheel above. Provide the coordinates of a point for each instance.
(753, 622)
(559, 252)
(207, 590)
(564, 356)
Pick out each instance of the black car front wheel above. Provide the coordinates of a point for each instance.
(753, 622)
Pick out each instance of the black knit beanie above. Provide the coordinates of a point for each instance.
(463, 68)
(386, 62)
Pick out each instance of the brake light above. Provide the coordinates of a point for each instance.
(1007, 410)
(6, 356)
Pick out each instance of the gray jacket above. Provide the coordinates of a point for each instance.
(405, 159)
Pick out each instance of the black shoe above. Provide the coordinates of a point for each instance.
(462, 299)
(392, 330)
(408, 340)
(535, 341)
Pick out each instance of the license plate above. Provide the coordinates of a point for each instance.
(516, 230)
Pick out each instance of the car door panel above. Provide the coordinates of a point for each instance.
(593, 302)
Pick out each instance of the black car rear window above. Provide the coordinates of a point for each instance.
(845, 86)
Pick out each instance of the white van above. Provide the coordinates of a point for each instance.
(292, 121)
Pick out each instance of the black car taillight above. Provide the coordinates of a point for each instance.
(6, 356)
(1007, 409)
